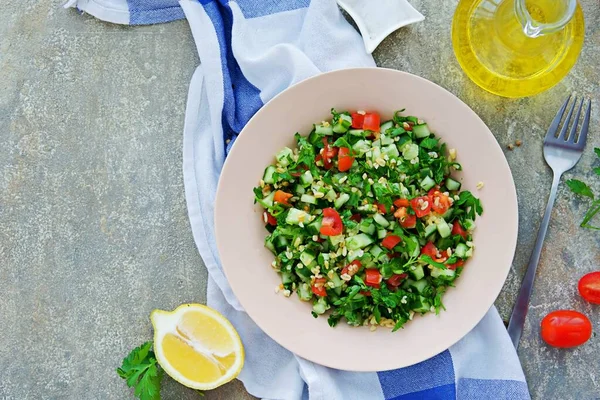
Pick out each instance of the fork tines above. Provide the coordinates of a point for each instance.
(565, 137)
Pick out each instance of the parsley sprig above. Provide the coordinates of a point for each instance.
(582, 189)
(142, 372)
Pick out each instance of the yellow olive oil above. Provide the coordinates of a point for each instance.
(494, 51)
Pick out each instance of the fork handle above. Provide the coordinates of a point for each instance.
(519, 313)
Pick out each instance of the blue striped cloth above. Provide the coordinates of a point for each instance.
(250, 50)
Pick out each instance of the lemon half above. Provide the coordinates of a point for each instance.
(197, 346)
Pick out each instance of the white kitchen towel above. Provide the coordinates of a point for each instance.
(249, 51)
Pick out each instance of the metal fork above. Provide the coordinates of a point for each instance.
(562, 150)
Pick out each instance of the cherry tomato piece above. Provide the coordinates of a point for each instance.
(371, 122)
(282, 197)
(271, 220)
(345, 161)
(409, 221)
(352, 268)
(429, 250)
(391, 241)
(358, 120)
(396, 279)
(566, 328)
(421, 205)
(401, 203)
(373, 278)
(328, 154)
(331, 224)
(458, 230)
(318, 287)
(589, 287)
(440, 204)
(457, 264)
(356, 217)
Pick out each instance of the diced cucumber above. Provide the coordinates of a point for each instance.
(307, 198)
(320, 306)
(331, 195)
(338, 177)
(461, 250)
(386, 140)
(324, 130)
(469, 224)
(342, 124)
(267, 202)
(296, 216)
(375, 251)
(377, 143)
(269, 245)
(314, 227)
(287, 277)
(306, 257)
(391, 151)
(416, 272)
(357, 132)
(421, 305)
(451, 184)
(306, 178)
(376, 153)
(381, 233)
(361, 147)
(268, 176)
(385, 126)
(380, 219)
(358, 241)
(419, 286)
(280, 243)
(384, 259)
(299, 189)
(442, 273)
(410, 151)
(305, 273)
(337, 282)
(427, 183)
(443, 228)
(335, 240)
(304, 292)
(367, 226)
(421, 131)
(403, 140)
(284, 157)
(448, 214)
(340, 201)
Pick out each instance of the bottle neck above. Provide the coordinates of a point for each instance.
(537, 21)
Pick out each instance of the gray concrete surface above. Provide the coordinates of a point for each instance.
(93, 226)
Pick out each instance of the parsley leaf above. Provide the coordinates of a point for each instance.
(429, 143)
(580, 188)
(430, 261)
(597, 170)
(597, 151)
(471, 204)
(142, 372)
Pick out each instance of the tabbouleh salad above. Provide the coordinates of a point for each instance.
(365, 219)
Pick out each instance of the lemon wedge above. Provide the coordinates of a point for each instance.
(197, 346)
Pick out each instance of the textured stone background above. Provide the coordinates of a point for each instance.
(93, 225)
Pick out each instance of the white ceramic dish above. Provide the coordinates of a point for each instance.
(376, 19)
(240, 231)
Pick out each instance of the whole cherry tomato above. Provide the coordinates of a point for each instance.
(589, 287)
(566, 328)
